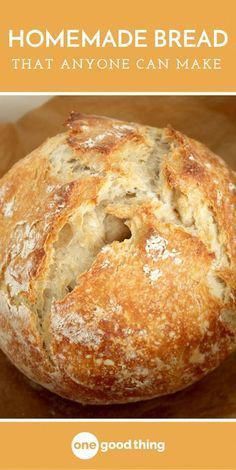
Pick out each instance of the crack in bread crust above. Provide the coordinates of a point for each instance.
(114, 208)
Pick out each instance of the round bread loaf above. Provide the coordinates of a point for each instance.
(117, 262)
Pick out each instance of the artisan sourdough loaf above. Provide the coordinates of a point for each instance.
(117, 262)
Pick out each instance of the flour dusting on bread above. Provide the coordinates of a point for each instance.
(117, 261)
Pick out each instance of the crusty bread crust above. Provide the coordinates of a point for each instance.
(117, 262)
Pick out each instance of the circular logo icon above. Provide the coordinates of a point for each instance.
(85, 445)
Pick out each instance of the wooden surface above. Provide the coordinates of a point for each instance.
(209, 119)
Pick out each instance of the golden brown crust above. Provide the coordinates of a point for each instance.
(117, 262)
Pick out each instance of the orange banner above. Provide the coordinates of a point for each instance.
(118, 47)
(118, 445)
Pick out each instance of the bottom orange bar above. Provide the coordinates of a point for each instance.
(118, 445)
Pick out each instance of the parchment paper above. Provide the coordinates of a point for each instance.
(209, 119)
